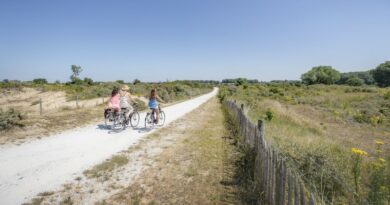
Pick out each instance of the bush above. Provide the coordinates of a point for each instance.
(10, 119)
(321, 75)
(269, 115)
(88, 81)
(387, 95)
(139, 104)
(136, 81)
(382, 74)
(354, 81)
(40, 81)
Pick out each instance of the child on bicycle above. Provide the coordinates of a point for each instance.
(153, 103)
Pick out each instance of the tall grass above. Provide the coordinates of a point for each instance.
(315, 127)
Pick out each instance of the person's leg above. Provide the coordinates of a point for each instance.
(157, 115)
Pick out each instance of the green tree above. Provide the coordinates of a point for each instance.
(120, 81)
(40, 81)
(88, 81)
(381, 74)
(354, 81)
(241, 81)
(76, 70)
(136, 81)
(321, 75)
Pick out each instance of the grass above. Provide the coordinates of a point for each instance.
(106, 167)
(315, 127)
(192, 171)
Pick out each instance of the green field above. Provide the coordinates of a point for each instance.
(317, 126)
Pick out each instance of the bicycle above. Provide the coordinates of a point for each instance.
(114, 118)
(150, 119)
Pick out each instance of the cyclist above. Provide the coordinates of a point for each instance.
(153, 103)
(114, 102)
(125, 101)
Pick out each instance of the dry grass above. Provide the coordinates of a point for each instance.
(107, 166)
(192, 171)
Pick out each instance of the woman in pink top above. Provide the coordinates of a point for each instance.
(114, 102)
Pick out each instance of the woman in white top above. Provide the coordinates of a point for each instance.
(125, 100)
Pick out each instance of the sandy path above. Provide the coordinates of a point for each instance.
(46, 164)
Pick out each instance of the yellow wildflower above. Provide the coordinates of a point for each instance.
(378, 142)
(359, 151)
(382, 160)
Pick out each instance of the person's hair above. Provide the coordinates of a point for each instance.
(114, 91)
(153, 93)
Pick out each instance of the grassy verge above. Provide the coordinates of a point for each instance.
(198, 169)
(107, 166)
(316, 127)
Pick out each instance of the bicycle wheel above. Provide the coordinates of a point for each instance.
(149, 120)
(161, 120)
(122, 120)
(134, 119)
(109, 120)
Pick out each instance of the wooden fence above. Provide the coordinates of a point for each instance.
(275, 183)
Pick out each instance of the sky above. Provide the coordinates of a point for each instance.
(163, 40)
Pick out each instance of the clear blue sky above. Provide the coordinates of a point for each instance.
(190, 39)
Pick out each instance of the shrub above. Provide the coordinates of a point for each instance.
(136, 81)
(387, 95)
(40, 81)
(269, 115)
(382, 74)
(355, 81)
(321, 75)
(88, 81)
(10, 119)
(139, 104)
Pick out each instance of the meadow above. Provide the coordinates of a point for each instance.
(335, 136)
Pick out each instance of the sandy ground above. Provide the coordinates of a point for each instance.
(46, 164)
(27, 101)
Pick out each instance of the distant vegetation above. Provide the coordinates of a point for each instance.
(316, 127)
(327, 75)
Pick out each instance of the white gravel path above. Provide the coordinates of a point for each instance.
(46, 164)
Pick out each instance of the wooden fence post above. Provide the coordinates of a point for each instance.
(296, 196)
(312, 201)
(77, 101)
(303, 200)
(40, 106)
(290, 189)
(242, 106)
(282, 184)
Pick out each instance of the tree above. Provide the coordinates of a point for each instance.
(40, 81)
(241, 81)
(354, 81)
(136, 81)
(120, 81)
(366, 76)
(321, 75)
(381, 74)
(76, 70)
(88, 81)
